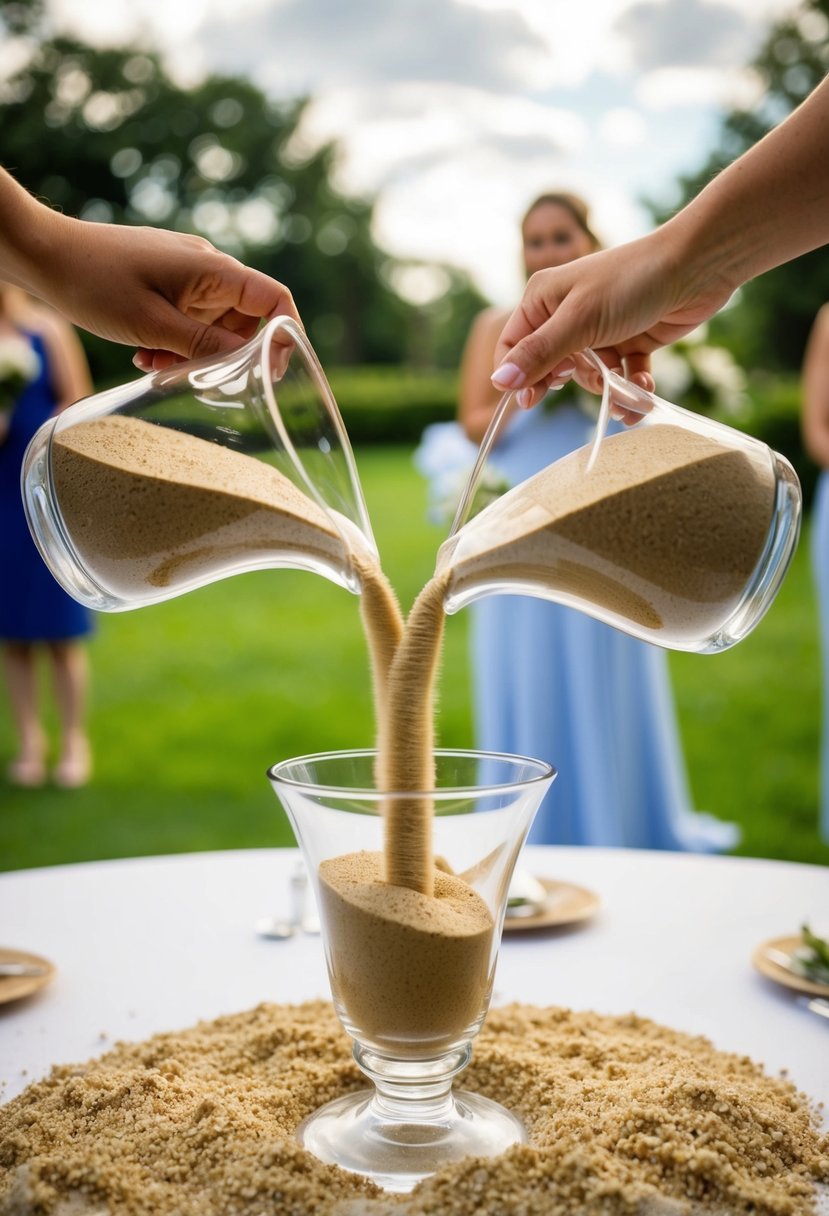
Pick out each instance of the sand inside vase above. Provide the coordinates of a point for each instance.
(411, 971)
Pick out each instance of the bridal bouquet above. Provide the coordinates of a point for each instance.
(446, 457)
(19, 365)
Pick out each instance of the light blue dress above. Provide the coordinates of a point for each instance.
(555, 684)
(820, 568)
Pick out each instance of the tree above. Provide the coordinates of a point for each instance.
(108, 135)
(770, 323)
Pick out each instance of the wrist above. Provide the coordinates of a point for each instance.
(705, 252)
(32, 236)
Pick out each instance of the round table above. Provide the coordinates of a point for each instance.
(151, 944)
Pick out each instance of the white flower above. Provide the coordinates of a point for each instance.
(721, 375)
(19, 363)
(672, 374)
(693, 369)
(446, 458)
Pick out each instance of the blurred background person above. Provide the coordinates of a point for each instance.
(549, 681)
(816, 440)
(36, 615)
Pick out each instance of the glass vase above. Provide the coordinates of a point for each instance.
(411, 974)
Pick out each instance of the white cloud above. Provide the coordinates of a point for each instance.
(394, 128)
(103, 23)
(623, 127)
(289, 45)
(686, 33)
(675, 87)
(580, 38)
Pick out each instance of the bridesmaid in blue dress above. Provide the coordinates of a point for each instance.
(551, 682)
(35, 613)
(816, 438)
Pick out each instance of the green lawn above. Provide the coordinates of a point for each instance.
(193, 699)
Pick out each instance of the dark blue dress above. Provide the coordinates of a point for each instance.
(33, 606)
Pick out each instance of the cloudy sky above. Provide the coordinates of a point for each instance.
(455, 113)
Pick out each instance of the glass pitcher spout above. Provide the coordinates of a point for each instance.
(196, 473)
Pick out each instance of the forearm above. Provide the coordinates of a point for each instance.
(29, 234)
(769, 206)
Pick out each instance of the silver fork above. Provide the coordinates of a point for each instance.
(303, 916)
(781, 959)
(14, 969)
(815, 1004)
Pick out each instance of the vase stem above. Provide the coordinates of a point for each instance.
(415, 1091)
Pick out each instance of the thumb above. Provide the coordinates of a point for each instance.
(524, 361)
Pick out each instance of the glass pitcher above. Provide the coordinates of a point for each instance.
(677, 530)
(206, 469)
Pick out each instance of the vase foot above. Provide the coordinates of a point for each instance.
(397, 1154)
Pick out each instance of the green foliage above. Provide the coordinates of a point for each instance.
(390, 404)
(21, 16)
(770, 324)
(107, 135)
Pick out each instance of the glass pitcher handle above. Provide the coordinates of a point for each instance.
(615, 390)
(488, 440)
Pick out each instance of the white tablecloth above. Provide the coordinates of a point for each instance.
(159, 943)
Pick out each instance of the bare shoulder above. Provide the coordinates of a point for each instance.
(58, 336)
(491, 320)
(43, 320)
(485, 331)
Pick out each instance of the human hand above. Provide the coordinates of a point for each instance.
(173, 295)
(623, 303)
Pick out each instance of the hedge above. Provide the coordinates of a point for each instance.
(388, 404)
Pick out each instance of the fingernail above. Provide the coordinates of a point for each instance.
(524, 398)
(508, 375)
(566, 370)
